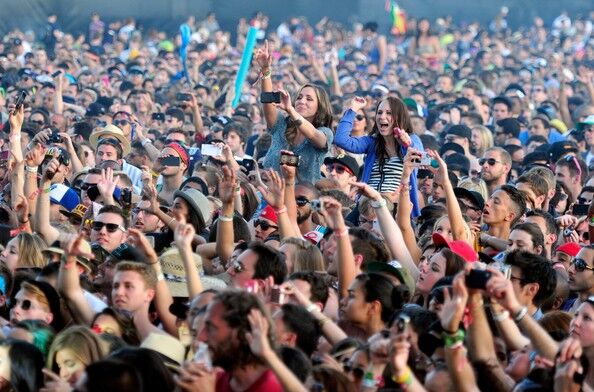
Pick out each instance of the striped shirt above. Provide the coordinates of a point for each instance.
(388, 180)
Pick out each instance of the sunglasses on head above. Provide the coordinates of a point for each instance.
(340, 169)
(572, 158)
(581, 265)
(359, 117)
(301, 201)
(110, 227)
(490, 161)
(121, 122)
(263, 224)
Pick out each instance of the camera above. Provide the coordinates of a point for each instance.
(317, 205)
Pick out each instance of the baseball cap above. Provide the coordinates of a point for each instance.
(394, 268)
(345, 160)
(460, 130)
(461, 248)
(64, 196)
(455, 147)
(473, 196)
(268, 213)
(569, 248)
(587, 122)
(561, 148)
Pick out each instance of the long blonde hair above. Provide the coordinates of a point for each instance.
(486, 138)
(83, 343)
(30, 251)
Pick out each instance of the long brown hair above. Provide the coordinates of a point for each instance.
(401, 120)
(323, 116)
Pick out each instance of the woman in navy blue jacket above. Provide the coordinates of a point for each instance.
(385, 147)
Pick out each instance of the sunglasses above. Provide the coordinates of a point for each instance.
(301, 201)
(581, 265)
(340, 169)
(468, 206)
(588, 129)
(360, 117)
(263, 224)
(422, 176)
(85, 186)
(442, 121)
(357, 372)
(121, 122)
(490, 161)
(570, 158)
(110, 227)
(26, 304)
(238, 266)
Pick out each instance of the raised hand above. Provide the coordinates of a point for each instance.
(227, 186)
(54, 383)
(263, 57)
(410, 160)
(258, 337)
(184, 234)
(453, 307)
(34, 157)
(358, 103)
(21, 207)
(50, 169)
(274, 194)
(367, 191)
(16, 118)
(332, 213)
(289, 172)
(399, 353)
(196, 377)
(73, 248)
(137, 239)
(500, 289)
(107, 183)
(285, 103)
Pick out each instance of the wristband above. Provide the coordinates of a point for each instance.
(521, 314)
(451, 341)
(145, 141)
(31, 169)
(500, 317)
(377, 204)
(266, 75)
(404, 379)
(343, 233)
(46, 190)
(298, 121)
(225, 218)
(280, 211)
(311, 307)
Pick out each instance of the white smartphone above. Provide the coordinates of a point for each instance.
(211, 150)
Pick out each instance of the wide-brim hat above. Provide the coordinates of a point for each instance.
(113, 132)
(197, 202)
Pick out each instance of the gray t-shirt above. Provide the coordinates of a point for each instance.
(311, 157)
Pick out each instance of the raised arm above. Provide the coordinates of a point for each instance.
(42, 214)
(76, 164)
(225, 235)
(264, 61)
(332, 213)
(454, 212)
(274, 195)
(405, 207)
(289, 174)
(184, 235)
(69, 283)
(311, 133)
(343, 138)
(15, 119)
(389, 228)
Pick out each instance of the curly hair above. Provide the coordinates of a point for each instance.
(238, 304)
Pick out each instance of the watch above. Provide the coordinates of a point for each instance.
(377, 204)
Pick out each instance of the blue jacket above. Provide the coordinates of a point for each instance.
(366, 145)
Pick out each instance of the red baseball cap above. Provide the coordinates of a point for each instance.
(268, 213)
(461, 248)
(569, 248)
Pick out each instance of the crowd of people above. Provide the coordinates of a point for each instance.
(378, 212)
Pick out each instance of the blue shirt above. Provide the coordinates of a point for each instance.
(554, 136)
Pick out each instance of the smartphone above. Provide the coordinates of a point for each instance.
(58, 72)
(477, 279)
(580, 209)
(20, 100)
(289, 159)
(183, 97)
(170, 161)
(211, 150)
(248, 164)
(277, 296)
(317, 205)
(158, 117)
(271, 97)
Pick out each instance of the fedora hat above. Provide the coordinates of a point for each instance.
(112, 132)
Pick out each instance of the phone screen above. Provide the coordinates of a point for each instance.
(210, 150)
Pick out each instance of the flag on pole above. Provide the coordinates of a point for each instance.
(398, 17)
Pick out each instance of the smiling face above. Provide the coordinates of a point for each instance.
(384, 120)
(306, 103)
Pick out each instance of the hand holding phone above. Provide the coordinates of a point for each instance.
(211, 150)
(289, 159)
(270, 97)
(477, 279)
(20, 100)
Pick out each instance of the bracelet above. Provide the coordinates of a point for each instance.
(32, 169)
(46, 190)
(323, 321)
(450, 341)
(343, 233)
(377, 204)
(405, 378)
(521, 314)
(298, 121)
(404, 187)
(226, 218)
(266, 75)
(289, 183)
(500, 317)
(280, 211)
(311, 307)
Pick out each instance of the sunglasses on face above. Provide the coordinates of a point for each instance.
(85, 186)
(301, 201)
(26, 304)
(357, 372)
(581, 265)
(490, 161)
(589, 129)
(339, 169)
(110, 227)
(263, 224)
(359, 117)
(117, 123)
(238, 266)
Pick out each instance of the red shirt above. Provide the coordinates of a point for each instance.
(266, 382)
